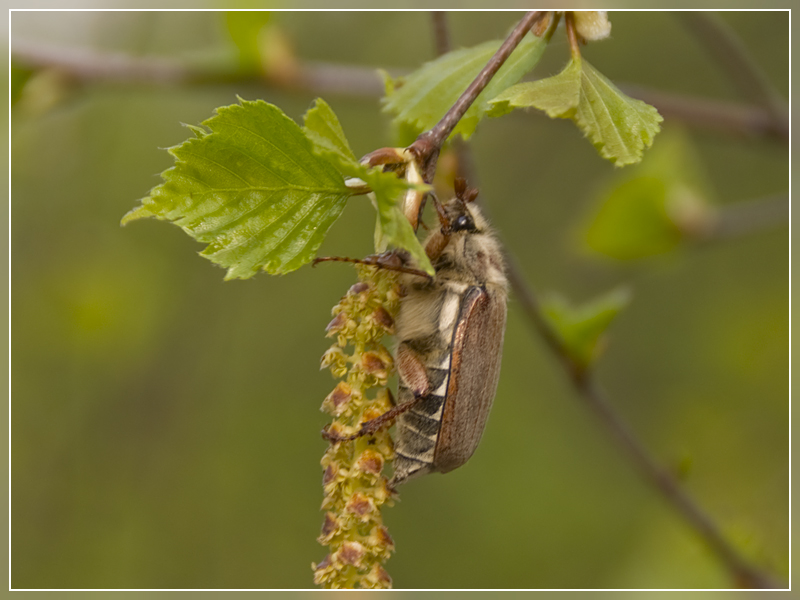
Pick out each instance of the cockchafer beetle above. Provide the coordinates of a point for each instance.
(450, 335)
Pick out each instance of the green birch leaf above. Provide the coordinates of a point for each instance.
(619, 127)
(322, 127)
(423, 98)
(251, 187)
(581, 328)
(632, 221)
(655, 206)
(558, 96)
(392, 228)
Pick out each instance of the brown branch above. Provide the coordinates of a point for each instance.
(330, 78)
(441, 33)
(732, 221)
(465, 164)
(745, 574)
(749, 217)
(721, 42)
(427, 146)
(322, 78)
(89, 66)
(713, 115)
(83, 64)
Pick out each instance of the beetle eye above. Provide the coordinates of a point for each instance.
(462, 223)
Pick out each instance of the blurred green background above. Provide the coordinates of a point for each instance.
(165, 425)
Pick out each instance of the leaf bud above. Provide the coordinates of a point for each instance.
(592, 25)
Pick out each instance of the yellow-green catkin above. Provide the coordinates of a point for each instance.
(353, 482)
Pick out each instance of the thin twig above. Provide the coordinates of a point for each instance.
(465, 165)
(321, 78)
(713, 115)
(730, 53)
(84, 64)
(745, 574)
(584, 382)
(89, 66)
(427, 145)
(441, 33)
(343, 80)
(749, 217)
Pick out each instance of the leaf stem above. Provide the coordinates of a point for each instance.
(427, 146)
(572, 35)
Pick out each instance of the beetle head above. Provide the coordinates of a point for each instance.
(460, 214)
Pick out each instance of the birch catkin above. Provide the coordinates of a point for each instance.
(353, 482)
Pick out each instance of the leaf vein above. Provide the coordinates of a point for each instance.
(605, 112)
(303, 168)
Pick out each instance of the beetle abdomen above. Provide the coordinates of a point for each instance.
(418, 429)
(417, 433)
(441, 431)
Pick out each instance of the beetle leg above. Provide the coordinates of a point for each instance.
(414, 375)
(443, 220)
(389, 261)
(412, 370)
(372, 426)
